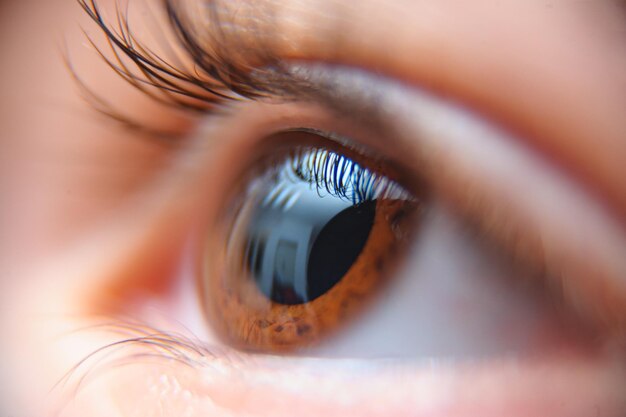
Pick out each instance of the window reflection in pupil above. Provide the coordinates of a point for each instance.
(297, 254)
(338, 245)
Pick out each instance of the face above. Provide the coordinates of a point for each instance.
(256, 207)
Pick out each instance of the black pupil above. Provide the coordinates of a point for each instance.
(290, 267)
(337, 247)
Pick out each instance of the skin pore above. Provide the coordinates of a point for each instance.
(89, 227)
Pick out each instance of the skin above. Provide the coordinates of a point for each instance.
(89, 228)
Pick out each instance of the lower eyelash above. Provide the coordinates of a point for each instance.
(133, 340)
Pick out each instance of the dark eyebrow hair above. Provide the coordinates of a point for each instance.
(190, 76)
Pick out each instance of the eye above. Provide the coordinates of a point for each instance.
(310, 237)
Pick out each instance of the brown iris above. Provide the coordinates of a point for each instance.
(307, 245)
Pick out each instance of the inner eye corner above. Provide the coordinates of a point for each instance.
(311, 240)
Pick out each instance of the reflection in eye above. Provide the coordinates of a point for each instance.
(311, 239)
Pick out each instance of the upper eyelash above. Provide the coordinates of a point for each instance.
(209, 80)
(155, 70)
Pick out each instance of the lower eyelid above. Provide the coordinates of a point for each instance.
(208, 383)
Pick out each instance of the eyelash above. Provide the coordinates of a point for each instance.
(134, 342)
(212, 80)
(201, 87)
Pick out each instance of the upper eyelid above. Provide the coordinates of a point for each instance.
(222, 56)
(434, 129)
(250, 87)
(527, 90)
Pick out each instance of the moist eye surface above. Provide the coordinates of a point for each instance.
(310, 240)
(308, 231)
